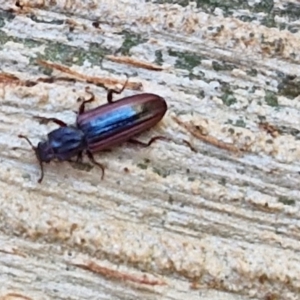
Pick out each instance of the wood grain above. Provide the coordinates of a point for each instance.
(166, 222)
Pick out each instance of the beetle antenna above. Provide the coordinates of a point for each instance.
(28, 140)
(37, 155)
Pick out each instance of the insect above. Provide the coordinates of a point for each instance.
(101, 128)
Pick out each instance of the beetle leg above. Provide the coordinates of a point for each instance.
(47, 120)
(91, 158)
(79, 157)
(37, 156)
(189, 145)
(136, 142)
(82, 106)
(110, 92)
(152, 140)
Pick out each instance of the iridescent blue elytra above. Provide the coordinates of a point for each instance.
(101, 128)
(110, 123)
(117, 122)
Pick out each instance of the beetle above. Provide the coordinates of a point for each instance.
(101, 128)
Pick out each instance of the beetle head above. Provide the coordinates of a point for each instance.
(44, 152)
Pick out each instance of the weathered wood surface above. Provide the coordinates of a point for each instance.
(215, 224)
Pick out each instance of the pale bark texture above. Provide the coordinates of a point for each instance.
(213, 217)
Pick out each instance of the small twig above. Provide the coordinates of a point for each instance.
(114, 274)
(99, 81)
(206, 138)
(134, 62)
